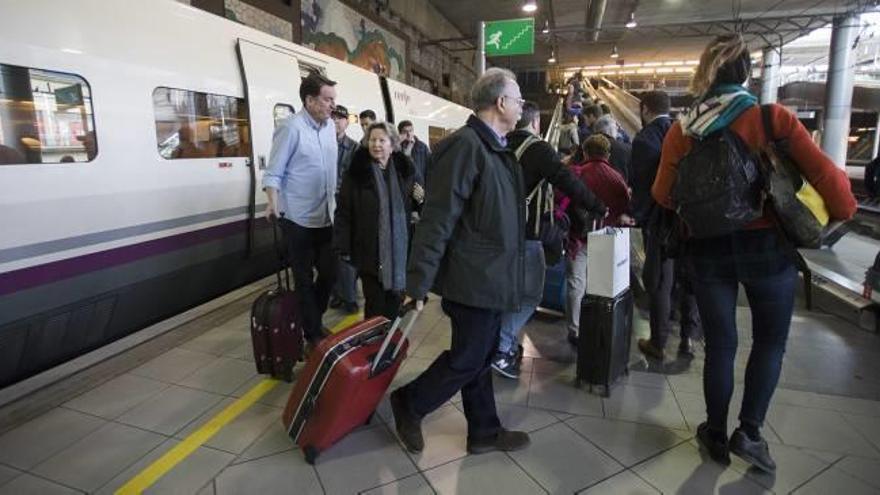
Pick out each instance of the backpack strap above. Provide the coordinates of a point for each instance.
(520, 151)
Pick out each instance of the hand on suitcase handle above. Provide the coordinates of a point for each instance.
(404, 310)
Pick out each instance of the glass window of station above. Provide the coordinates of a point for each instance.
(192, 124)
(45, 117)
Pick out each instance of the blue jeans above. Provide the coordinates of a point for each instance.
(757, 260)
(511, 325)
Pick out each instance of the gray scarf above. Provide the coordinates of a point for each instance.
(393, 233)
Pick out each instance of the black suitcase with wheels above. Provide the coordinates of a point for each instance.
(604, 339)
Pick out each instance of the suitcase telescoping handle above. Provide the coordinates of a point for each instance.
(282, 266)
(408, 309)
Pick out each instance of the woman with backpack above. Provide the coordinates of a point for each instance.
(726, 122)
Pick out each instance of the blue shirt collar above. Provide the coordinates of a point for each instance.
(312, 122)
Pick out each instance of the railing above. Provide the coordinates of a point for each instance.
(552, 134)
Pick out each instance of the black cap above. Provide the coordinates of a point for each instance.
(340, 111)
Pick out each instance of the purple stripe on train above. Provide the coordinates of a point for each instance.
(34, 276)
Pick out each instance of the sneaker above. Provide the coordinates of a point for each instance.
(650, 350)
(519, 354)
(503, 441)
(335, 302)
(505, 365)
(408, 426)
(350, 307)
(755, 452)
(715, 444)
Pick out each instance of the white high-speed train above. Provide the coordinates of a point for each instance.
(127, 130)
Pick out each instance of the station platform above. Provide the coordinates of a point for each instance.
(174, 399)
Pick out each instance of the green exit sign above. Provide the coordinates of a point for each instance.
(510, 37)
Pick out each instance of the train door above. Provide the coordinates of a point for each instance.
(271, 81)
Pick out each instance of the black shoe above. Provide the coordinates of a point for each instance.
(755, 452)
(573, 339)
(519, 354)
(504, 441)
(715, 443)
(650, 350)
(505, 365)
(408, 426)
(686, 349)
(335, 302)
(351, 307)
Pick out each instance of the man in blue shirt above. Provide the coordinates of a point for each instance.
(300, 183)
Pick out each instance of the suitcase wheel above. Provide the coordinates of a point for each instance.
(311, 453)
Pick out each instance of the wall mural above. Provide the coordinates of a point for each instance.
(333, 28)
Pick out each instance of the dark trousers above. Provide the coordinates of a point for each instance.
(310, 249)
(466, 367)
(661, 305)
(345, 288)
(756, 260)
(377, 300)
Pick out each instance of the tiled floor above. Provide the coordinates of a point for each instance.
(638, 441)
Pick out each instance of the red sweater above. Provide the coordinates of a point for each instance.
(831, 182)
(606, 183)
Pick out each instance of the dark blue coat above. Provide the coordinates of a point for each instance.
(644, 161)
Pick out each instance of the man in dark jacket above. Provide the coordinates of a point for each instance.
(620, 152)
(416, 150)
(470, 248)
(659, 273)
(539, 161)
(345, 291)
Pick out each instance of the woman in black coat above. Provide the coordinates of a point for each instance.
(372, 227)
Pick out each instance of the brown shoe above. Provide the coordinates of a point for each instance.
(504, 441)
(650, 350)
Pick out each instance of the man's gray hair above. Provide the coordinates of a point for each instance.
(489, 87)
(389, 129)
(606, 125)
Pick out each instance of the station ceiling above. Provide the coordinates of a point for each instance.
(667, 30)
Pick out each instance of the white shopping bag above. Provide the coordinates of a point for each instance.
(608, 262)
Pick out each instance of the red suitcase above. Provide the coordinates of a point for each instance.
(276, 329)
(344, 379)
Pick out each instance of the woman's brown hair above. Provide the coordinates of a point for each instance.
(721, 51)
(597, 146)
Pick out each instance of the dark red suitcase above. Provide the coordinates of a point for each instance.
(344, 379)
(276, 329)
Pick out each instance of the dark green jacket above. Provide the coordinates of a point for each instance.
(469, 245)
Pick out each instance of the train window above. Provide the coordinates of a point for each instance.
(191, 124)
(282, 111)
(45, 117)
(436, 134)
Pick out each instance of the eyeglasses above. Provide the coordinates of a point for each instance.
(519, 101)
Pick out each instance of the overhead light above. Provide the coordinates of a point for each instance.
(546, 29)
(632, 20)
(530, 6)
(614, 53)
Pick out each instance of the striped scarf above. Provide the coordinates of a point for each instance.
(718, 110)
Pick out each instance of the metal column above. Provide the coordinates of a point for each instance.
(481, 53)
(839, 88)
(770, 75)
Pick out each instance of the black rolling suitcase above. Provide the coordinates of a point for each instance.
(604, 339)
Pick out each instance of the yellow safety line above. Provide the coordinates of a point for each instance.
(181, 451)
